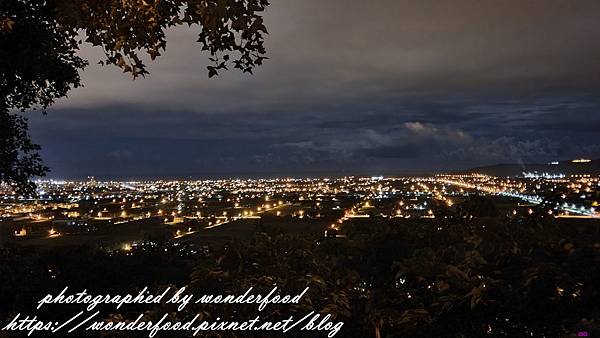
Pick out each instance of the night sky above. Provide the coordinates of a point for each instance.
(351, 87)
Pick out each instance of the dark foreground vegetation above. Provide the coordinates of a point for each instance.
(452, 276)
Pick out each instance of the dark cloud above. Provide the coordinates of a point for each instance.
(350, 86)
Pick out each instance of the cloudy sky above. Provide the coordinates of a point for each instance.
(372, 87)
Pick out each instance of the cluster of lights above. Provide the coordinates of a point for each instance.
(214, 203)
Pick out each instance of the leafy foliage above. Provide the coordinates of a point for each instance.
(19, 158)
(453, 277)
(456, 277)
(232, 31)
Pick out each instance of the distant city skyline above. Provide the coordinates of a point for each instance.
(386, 87)
(496, 169)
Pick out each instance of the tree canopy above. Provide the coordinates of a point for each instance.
(40, 40)
(451, 277)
